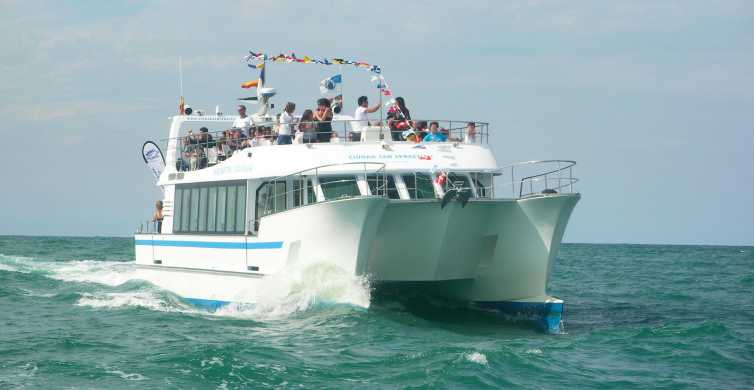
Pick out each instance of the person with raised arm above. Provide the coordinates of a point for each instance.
(323, 116)
(361, 116)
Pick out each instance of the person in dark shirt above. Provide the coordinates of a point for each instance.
(323, 116)
(398, 118)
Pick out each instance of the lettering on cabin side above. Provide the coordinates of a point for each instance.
(389, 156)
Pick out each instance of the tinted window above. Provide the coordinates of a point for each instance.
(210, 208)
(335, 187)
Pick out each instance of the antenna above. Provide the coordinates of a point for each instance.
(181, 102)
(180, 75)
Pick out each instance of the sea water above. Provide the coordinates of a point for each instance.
(72, 315)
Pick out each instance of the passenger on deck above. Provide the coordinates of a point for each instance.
(434, 134)
(286, 124)
(421, 130)
(361, 116)
(157, 216)
(307, 127)
(205, 138)
(398, 118)
(469, 135)
(243, 122)
(323, 116)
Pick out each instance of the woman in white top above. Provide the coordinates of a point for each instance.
(286, 124)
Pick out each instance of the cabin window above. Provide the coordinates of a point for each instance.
(303, 192)
(210, 208)
(335, 187)
(459, 181)
(377, 185)
(483, 184)
(419, 186)
(203, 206)
(271, 198)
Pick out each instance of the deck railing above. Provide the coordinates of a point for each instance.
(532, 178)
(196, 150)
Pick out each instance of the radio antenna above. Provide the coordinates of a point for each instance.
(181, 102)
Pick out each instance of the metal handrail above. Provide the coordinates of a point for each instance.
(452, 127)
(316, 173)
(542, 176)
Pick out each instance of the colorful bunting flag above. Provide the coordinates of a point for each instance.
(250, 83)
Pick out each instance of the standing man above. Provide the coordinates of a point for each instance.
(243, 122)
(361, 116)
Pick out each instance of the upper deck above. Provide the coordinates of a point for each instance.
(233, 155)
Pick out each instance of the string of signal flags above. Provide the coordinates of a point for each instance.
(253, 59)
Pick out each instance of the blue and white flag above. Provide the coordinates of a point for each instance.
(328, 85)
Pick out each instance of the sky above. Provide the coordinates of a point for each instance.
(653, 99)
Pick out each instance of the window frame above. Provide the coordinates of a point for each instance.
(214, 219)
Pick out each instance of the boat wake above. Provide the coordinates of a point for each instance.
(297, 289)
(300, 288)
(111, 273)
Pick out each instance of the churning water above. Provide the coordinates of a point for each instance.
(72, 315)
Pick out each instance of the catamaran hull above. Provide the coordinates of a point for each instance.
(496, 254)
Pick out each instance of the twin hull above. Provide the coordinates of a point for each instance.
(488, 251)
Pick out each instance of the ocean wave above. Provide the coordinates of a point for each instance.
(152, 300)
(476, 357)
(8, 268)
(300, 288)
(111, 273)
(127, 376)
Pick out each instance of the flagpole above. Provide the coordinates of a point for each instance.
(381, 119)
(180, 74)
(340, 86)
(181, 102)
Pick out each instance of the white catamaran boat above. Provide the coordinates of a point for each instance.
(435, 216)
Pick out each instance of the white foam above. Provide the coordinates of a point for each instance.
(112, 273)
(126, 376)
(476, 357)
(534, 351)
(145, 299)
(215, 361)
(299, 288)
(7, 267)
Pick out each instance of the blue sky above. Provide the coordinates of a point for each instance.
(654, 99)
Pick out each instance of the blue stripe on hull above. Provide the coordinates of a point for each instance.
(210, 304)
(213, 245)
(547, 315)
